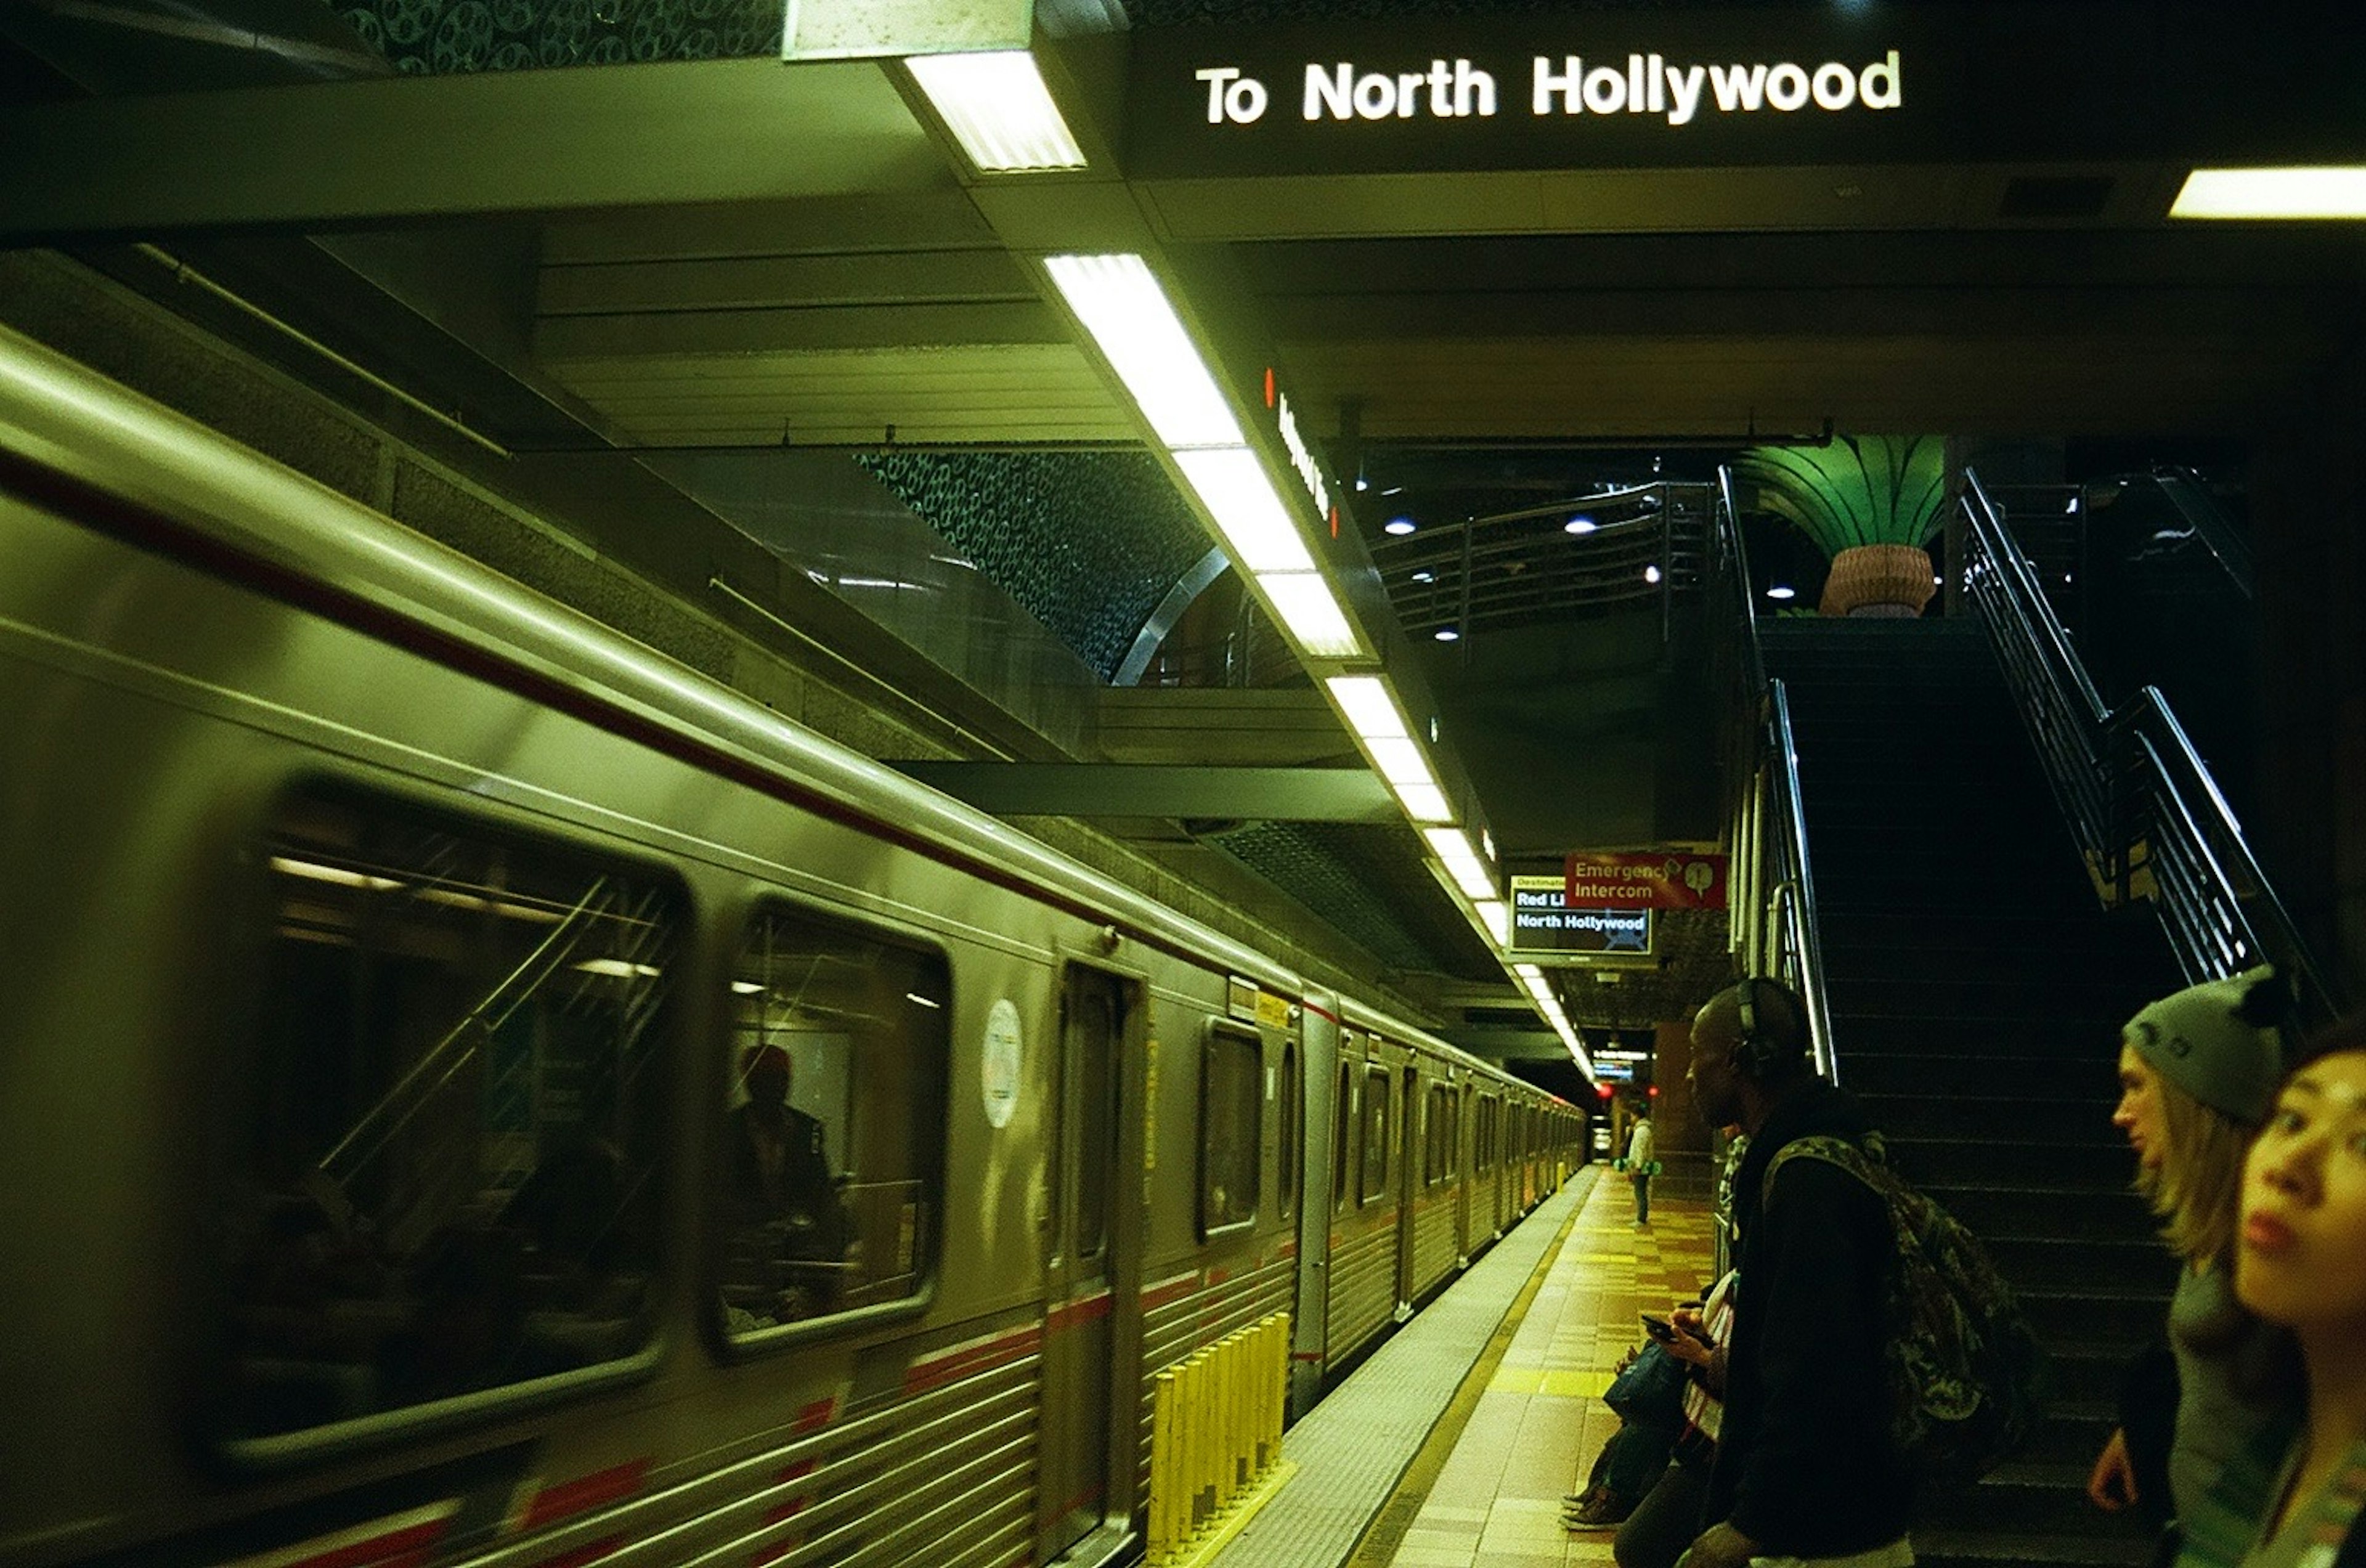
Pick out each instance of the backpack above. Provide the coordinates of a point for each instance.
(1968, 1378)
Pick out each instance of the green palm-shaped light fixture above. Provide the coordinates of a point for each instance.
(1870, 503)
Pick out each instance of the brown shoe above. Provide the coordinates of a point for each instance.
(1600, 1512)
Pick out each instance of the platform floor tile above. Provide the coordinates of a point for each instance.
(1496, 1502)
(1351, 1449)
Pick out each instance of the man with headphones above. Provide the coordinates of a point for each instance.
(1806, 1475)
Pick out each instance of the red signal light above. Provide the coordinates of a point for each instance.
(1651, 1091)
(1603, 1089)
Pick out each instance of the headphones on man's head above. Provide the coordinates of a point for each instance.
(1757, 1051)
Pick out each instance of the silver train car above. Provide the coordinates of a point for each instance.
(472, 1091)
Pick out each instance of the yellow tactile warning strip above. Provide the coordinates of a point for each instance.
(1496, 1501)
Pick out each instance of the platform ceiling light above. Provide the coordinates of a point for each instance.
(1782, 591)
(1447, 634)
(1493, 917)
(1121, 303)
(1452, 846)
(995, 105)
(2322, 192)
(1398, 526)
(1371, 711)
(1238, 493)
(1581, 524)
(1651, 573)
(1310, 612)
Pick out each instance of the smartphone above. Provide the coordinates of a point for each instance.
(1658, 1328)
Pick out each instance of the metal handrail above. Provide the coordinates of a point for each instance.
(1773, 887)
(2138, 796)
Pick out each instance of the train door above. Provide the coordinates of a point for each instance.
(1091, 1355)
(1409, 1191)
(1318, 1189)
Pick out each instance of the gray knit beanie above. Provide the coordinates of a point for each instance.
(2218, 1042)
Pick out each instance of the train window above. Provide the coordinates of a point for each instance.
(1294, 1116)
(445, 1178)
(1435, 1132)
(829, 1161)
(1343, 1110)
(1376, 1132)
(1232, 1100)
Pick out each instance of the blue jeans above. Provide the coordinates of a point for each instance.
(1642, 1198)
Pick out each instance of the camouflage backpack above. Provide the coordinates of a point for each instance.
(1968, 1378)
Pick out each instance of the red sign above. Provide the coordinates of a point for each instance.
(1643, 880)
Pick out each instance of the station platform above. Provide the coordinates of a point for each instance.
(1453, 1446)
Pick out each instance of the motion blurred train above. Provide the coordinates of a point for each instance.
(472, 1091)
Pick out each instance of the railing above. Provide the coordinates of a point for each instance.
(1772, 891)
(2146, 813)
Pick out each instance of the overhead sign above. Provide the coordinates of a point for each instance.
(1644, 880)
(1545, 921)
(1616, 1064)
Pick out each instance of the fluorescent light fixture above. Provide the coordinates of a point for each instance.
(1310, 614)
(1447, 634)
(745, 988)
(621, 968)
(1425, 577)
(1492, 914)
(1462, 862)
(1651, 572)
(1579, 525)
(995, 105)
(2330, 191)
(1527, 971)
(1239, 495)
(1372, 712)
(929, 1002)
(1401, 762)
(1121, 303)
(1782, 591)
(1398, 526)
(1423, 803)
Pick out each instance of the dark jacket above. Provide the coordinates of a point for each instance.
(1805, 1465)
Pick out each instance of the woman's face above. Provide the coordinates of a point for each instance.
(2139, 1113)
(2301, 1257)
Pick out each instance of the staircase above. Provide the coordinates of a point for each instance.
(1977, 989)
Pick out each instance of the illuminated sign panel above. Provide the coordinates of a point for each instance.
(1544, 921)
(1644, 880)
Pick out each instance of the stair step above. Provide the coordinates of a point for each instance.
(2005, 1121)
(2048, 1210)
(2088, 1078)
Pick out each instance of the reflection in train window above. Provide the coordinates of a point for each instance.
(830, 1168)
(1293, 1112)
(1376, 1133)
(1343, 1110)
(446, 1180)
(1232, 1096)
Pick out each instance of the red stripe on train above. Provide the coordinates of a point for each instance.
(922, 1377)
(1171, 1290)
(1074, 1313)
(396, 1549)
(585, 1492)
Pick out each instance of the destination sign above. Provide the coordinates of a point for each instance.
(1543, 920)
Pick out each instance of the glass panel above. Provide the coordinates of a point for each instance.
(829, 1172)
(1376, 1132)
(1096, 1056)
(1293, 1115)
(1232, 1096)
(1343, 1110)
(446, 1180)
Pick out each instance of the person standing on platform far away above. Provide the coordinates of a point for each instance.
(2300, 1263)
(2198, 1070)
(1805, 1472)
(1639, 1163)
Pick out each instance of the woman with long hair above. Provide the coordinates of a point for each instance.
(2300, 1263)
(2197, 1072)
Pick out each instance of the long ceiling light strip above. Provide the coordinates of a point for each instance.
(2326, 192)
(997, 108)
(1135, 327)
(1121, 304)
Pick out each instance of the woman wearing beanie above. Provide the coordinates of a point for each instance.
(2198, 1071)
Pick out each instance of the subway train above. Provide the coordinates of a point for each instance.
(473, 1090)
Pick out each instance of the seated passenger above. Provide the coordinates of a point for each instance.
(779, 1179)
